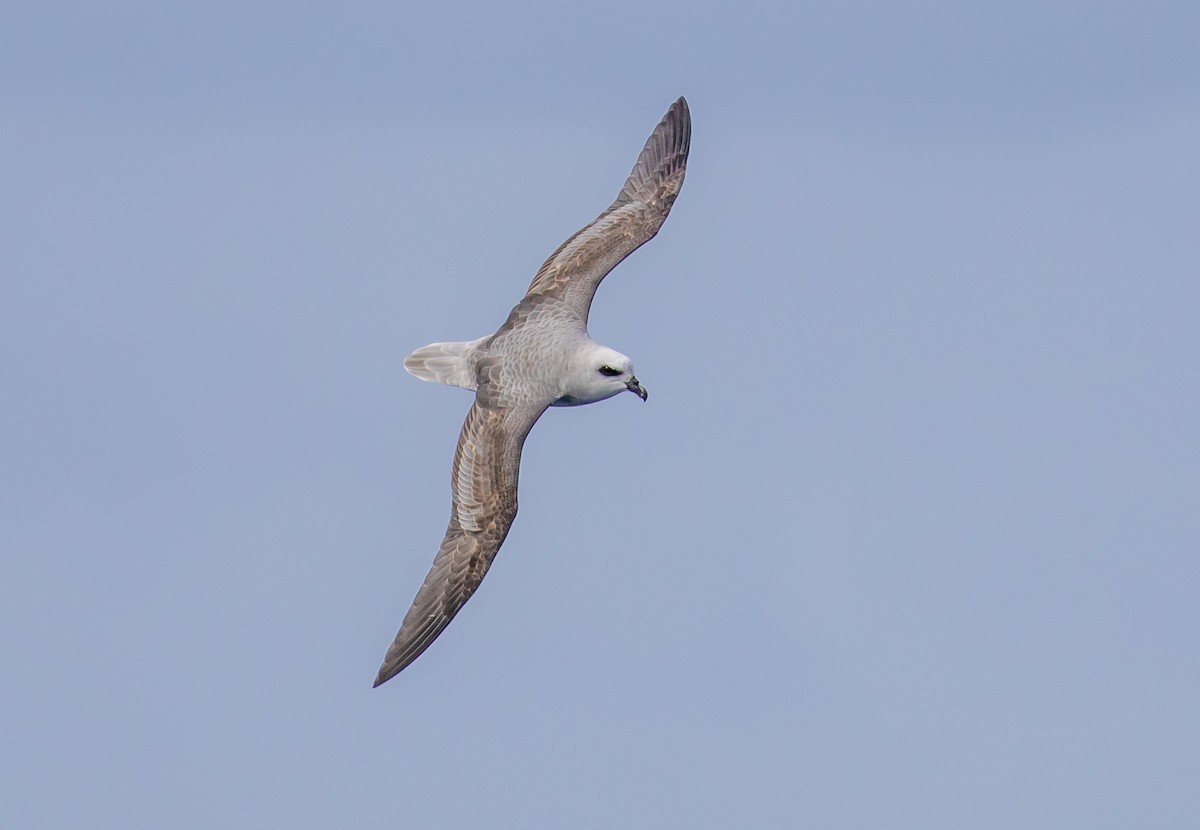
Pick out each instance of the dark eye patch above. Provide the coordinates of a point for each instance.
(609, 371)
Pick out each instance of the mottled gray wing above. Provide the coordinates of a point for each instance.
(575, 270)
(484, 483)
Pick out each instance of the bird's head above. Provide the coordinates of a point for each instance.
(601, 373)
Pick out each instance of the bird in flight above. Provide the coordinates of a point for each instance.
(540, 357)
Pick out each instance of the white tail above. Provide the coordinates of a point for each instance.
(452, 363)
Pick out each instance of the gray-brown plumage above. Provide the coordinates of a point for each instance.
(541, 356)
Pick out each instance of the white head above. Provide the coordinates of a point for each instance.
(598, 373)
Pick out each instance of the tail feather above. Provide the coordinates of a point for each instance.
(452, 363)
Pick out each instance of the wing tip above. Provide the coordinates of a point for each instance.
(391, 668)
(676, 126)
(663, 160)
(679, 114)
(405, 649)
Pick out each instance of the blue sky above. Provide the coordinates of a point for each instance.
(906, 535)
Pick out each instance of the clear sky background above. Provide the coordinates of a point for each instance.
(907, 535)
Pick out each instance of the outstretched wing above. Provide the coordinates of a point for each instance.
(484, 482)
(575, 270)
